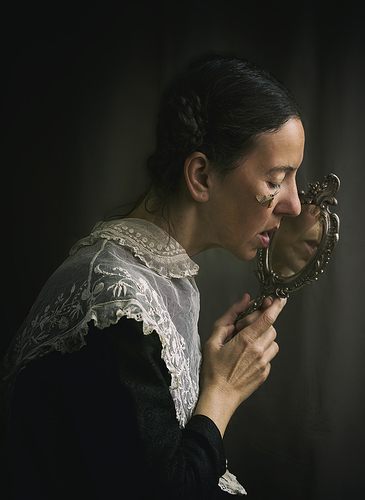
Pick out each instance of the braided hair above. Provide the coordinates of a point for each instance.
(218, 107)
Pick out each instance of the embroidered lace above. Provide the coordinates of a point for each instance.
(129, 268)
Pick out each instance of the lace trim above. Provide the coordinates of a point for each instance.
(229, 483)
(149, 243)
(109, 293)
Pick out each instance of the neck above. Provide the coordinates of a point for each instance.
(183, 225)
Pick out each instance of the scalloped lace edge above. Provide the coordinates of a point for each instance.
(174, 266)
(74, 339)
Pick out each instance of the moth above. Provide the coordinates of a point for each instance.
(263, 199)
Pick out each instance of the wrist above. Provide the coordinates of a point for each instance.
(217, 405)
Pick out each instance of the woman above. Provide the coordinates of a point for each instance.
(109, 403)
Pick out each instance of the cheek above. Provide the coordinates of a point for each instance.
(258, 217)
(241, 215)
(251, 221)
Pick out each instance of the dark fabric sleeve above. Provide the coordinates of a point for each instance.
(101, 421)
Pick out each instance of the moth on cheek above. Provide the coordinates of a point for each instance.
(263, 199)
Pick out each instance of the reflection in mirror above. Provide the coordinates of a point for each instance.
(296, 242)
(301, 248)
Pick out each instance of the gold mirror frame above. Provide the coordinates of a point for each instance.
(320, 195)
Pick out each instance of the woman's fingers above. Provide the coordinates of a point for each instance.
(267, 318)
(264, 319)
(230, 316)
(248, 320)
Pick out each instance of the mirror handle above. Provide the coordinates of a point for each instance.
(251, 308)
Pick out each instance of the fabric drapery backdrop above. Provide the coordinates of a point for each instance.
(80, 96)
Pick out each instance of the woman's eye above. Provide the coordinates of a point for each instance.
(274, 186)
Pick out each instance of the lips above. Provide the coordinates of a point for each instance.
(265, 236)
(311, 245)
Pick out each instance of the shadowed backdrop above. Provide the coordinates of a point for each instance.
(79, 101)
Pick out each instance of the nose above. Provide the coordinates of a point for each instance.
(289, 202)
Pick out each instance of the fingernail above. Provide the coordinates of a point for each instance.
(283, 301)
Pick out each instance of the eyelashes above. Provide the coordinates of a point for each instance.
(274, 186)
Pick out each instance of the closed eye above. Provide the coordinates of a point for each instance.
(274, 186)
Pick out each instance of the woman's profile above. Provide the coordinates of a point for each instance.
(111, 396)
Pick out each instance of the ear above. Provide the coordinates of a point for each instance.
(196, 171)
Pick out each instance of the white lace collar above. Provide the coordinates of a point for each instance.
(101, 286)
(148, 242)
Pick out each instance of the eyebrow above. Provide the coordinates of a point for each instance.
(285, 168)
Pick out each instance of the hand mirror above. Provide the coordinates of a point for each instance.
(300, 249)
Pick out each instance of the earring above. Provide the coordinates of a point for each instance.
(262, 199)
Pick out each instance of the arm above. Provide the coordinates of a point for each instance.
(101, 422)
(138, 444)
(234, 367)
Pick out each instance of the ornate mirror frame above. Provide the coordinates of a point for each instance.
(320, 194)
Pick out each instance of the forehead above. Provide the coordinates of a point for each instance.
(283, 149)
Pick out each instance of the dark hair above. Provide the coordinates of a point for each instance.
(218, 107)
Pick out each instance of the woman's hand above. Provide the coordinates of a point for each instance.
(235, 366)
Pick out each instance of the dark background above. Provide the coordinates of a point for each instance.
(80, 89)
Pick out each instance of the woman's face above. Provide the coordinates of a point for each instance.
(297, 241)
(237, 221)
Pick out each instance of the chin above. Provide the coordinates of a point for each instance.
(245, 254)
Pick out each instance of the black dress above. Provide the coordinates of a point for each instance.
(100, 423)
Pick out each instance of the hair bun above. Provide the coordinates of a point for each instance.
(191, 120)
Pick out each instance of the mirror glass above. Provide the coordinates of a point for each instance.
(301, 247)
(296, 242)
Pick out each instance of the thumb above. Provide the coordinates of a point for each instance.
(269, 316)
